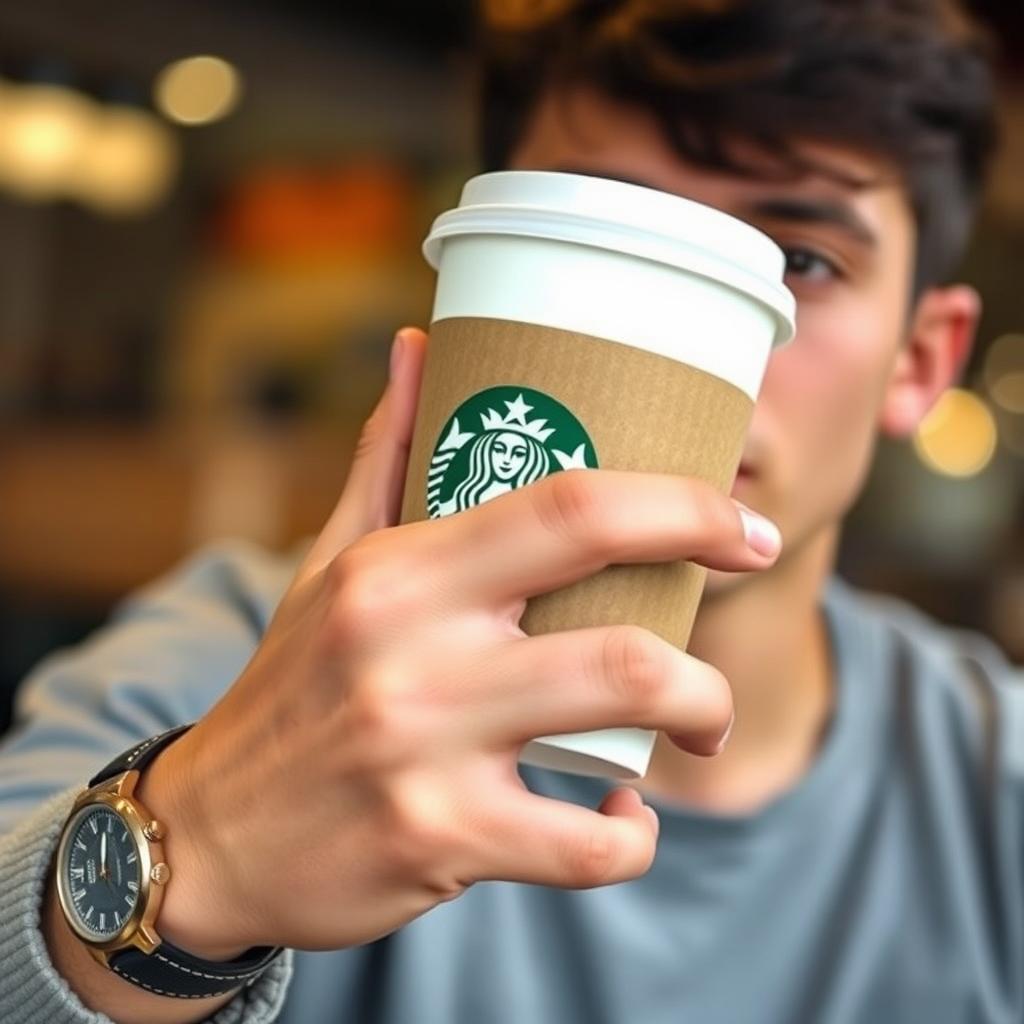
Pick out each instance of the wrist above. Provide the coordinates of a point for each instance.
(197, 913)
(102, 990)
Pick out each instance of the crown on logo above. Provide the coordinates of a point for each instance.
(516, 420)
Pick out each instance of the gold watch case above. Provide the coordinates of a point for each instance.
(139, 929)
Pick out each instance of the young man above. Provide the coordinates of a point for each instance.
(854, 853)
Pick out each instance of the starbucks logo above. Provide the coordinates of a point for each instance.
(501, 439)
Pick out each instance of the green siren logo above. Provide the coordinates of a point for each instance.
(485, 451)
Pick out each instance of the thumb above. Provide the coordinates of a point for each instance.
(372, 495)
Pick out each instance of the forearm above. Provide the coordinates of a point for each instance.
(167, 655)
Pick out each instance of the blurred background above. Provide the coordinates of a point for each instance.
(210, 218)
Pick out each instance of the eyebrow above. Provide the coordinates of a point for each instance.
(782, 208)
(816, 211)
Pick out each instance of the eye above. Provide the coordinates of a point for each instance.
(810, 265)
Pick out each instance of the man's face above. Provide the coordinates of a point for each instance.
(850, 259)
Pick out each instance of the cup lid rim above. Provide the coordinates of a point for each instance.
(645, 222)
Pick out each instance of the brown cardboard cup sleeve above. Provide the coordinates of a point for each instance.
(499, 381)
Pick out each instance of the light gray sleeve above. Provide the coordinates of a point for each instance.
(167, 654)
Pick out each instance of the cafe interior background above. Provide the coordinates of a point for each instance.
(210, 217)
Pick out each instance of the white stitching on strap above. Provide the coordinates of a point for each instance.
(134, 754)
(201, 974)
(176, 995)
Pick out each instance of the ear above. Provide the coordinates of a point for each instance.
(931, 358)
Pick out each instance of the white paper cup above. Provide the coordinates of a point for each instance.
(618, 263)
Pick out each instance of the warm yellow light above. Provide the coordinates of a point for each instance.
(958, 437)
(197, 90)
(42, 132)
(128, 163)
(1008, 391)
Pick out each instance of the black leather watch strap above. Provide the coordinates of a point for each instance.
(170, 971)
(139, 756)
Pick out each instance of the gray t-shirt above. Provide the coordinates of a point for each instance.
(885, 886)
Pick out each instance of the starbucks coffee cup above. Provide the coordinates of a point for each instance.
(580, 322)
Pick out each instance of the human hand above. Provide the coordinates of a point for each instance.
(371, 743)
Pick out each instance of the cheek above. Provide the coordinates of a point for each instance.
(818, 408)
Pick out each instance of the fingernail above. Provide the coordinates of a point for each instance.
(762, 534)
(725, 735)
(396, 354)
(654, 819)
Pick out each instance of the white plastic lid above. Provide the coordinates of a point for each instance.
(609, 214)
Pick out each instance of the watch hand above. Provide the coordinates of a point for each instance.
(103, 855)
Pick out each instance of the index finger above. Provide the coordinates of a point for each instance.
(576, 522)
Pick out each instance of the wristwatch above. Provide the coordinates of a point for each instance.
(111, 875)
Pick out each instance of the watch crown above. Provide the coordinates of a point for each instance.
(160, 873)
(154, 829)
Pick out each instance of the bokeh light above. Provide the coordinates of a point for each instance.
(958, 437)
(43, 129)
(129, 163)
(197, 90)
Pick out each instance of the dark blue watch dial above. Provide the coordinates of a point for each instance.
(101, 872)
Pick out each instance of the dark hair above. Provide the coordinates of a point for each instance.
(907, 80)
